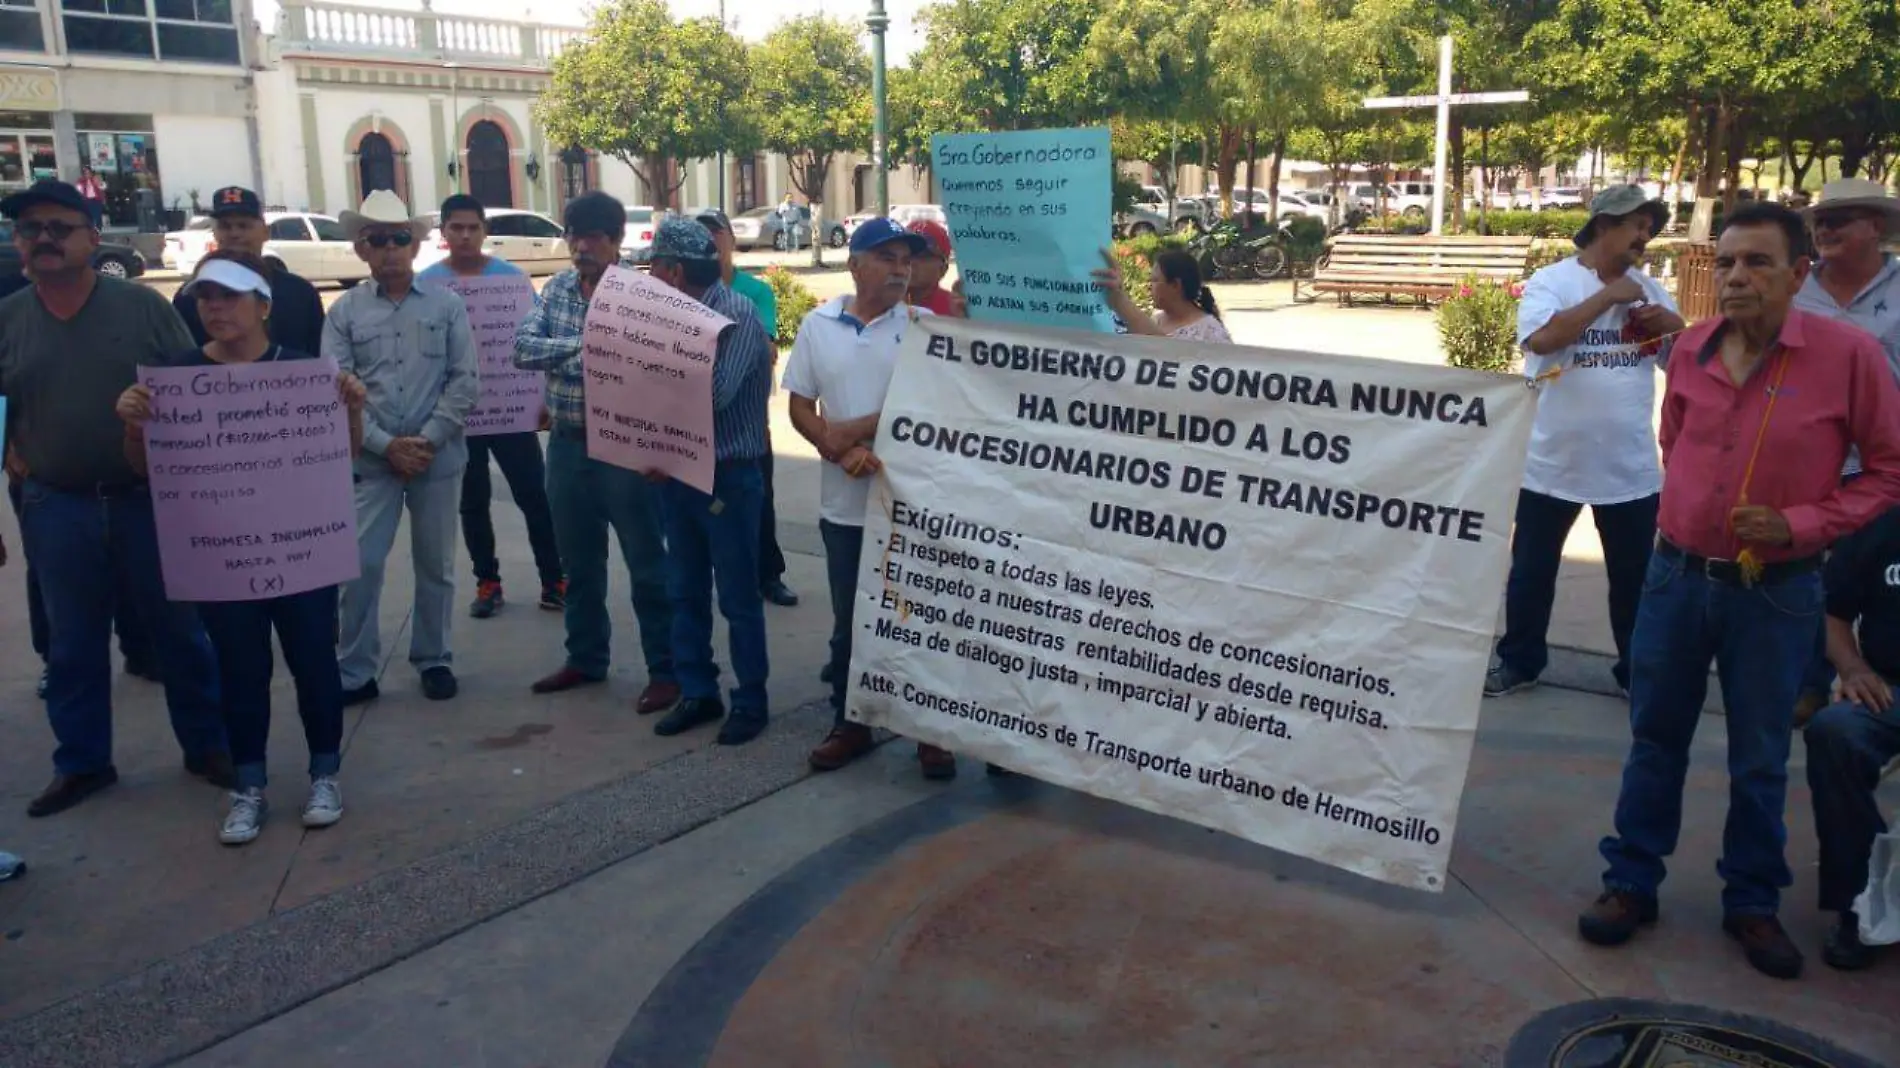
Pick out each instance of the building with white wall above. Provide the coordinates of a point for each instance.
(154, 95)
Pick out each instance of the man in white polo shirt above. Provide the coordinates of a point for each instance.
(1594, 317)
(838, 374)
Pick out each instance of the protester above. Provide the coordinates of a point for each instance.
(587, 496)
(927, 270)
(771, 558)
(464, 225)
(296, 312)
(410, 344)
(94, 191)
(1859, 283)
(843, 359)
(1593, 320)
(1184, 306)
(1759, 411)
(68, 348)
(714, 537)
(234, 302)
(1853, 740)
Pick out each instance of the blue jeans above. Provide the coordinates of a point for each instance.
(586, 497)
(1759, 639)
(843, 546)
(86, 549)
(134, 643)
(306, 628)
(707, 546)
(1848, 746)
(1627, 531)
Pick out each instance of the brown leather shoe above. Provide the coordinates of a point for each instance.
(1766, 944)
(845, 743)
(565, 679)
(1615, 916)
(937, 763)
(657, 697)
(65, 791)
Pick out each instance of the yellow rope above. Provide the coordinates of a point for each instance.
(1554, 373)
(1749, 563)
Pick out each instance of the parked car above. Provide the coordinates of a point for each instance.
(764, 226)
(1561, 198)
(1140, 221)
(527, 239)
(313, 246)
(636, 248)
(189, 243)
(849, 225)
(905, 214)
(114, 259)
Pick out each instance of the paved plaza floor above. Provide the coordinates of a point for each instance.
(540, 882)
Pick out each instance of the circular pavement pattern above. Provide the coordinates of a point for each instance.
(1650, 1034)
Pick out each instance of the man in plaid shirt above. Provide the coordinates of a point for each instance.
(587, 496)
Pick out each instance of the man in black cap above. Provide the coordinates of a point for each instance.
(771, 558)
(87, 519)
(296, 312)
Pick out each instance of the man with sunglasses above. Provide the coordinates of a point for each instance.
(409, 342)
(68, 347)
(1856, 282)
(588, 496)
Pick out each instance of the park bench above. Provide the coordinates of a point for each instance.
(1419, 267)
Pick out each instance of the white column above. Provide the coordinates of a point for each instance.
(1444, 134)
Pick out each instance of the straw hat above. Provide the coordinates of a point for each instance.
(381, 208)
(1857, 193)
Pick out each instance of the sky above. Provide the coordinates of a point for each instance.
(751, 18)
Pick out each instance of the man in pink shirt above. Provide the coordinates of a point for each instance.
(1760, 409)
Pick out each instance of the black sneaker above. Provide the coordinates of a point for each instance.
(827, 673)
(438, 684)
(488, 600)
(1501, 681)
(142, 669)
(1844, 949)
(742, 727)
(554, 597)
(362, 695)
(778, 593)
(690, 713)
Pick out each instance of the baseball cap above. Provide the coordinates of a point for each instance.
(236, 200)
(679, 238)
(933, 234)
(231, 275)
(595, 213)
(714, 219)
(44, 191)
(878, 232)
(1618, 201)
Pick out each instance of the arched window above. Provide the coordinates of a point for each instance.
(490, 178)
(375, 164)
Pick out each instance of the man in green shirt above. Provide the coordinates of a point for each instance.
(750, 286)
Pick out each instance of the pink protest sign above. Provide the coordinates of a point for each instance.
(512, 399)
(647, 353)
(250, 470)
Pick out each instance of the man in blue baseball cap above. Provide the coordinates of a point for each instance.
(838, 374)
(713, 538)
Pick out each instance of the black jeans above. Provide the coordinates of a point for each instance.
(520, 458)
(306, 629)
(134, 644)
(1628, 533)
(771, 557)
(843, 546)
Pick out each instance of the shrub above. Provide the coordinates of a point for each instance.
(1136, 257)
(1478, 326)
(795, 301)
(1305, 238)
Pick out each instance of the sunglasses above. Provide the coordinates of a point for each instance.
(33, 230)
(1836, 220)
(400, 239)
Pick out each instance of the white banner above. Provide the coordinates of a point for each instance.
(1248, 588)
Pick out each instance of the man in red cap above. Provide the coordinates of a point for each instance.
(927, 268)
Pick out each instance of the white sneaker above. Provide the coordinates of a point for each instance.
(325, 806)
(248, 809)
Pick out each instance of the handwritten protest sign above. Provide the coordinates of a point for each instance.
(512, 399)
(647, 354)
(1251, 589)
(250, 472)
(1030, 214)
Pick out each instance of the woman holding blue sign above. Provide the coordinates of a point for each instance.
(233, 301)
(1184, 306)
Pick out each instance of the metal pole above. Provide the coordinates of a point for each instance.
(880, 115)
(1444, 134)
(722, 153)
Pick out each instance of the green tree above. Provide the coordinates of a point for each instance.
(812, 85)
(1274, 54)
(1003, 65)
(651, 92)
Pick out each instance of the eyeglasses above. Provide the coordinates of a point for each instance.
(1835, 220)
(33, 230)
(400, 239)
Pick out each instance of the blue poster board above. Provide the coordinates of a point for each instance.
(1030, 212)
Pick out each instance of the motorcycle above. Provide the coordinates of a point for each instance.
(1231, 251)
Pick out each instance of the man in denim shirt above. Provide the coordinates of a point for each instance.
(410, 344)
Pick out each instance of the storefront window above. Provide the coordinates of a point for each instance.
(26, 149)
(20, 28)
(195, 30)
(126, 164)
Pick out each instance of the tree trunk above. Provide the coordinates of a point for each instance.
(1710, 167)
(816, 170)
(1484, 179)
(1273, 177)
(1735, 125)
(1455, 191)
(1674, 192)
(1229, 162)
(1253, 154)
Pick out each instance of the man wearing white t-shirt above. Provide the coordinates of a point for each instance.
(1598, 319)
(838, 374)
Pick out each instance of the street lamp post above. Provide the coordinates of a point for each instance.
(722, 153)
(880, 115)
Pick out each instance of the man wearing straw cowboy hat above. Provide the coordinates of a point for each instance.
(409, 342)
